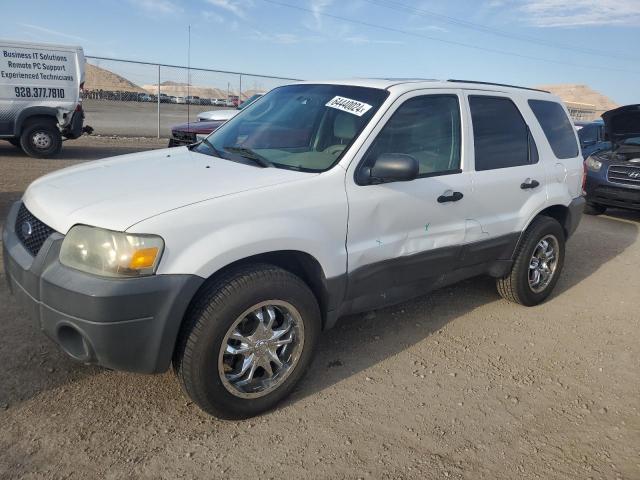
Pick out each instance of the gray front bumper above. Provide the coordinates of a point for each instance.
(125, 324)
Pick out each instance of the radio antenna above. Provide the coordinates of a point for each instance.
(189, 80)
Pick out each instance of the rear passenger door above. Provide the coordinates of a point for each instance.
(509, 179)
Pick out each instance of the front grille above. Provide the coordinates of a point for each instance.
(31, 231)
(183, 138)
(624, 175)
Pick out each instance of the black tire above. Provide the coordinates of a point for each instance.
(594, 209)
(515, 287)
(210, 317)
(41, 138)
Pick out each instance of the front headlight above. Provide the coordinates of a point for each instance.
(111, 254)
(593, 164)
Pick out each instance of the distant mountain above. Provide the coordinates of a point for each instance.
(576, 93)
(96, 78)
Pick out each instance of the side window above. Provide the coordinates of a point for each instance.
(428, 129)
(556, 127)
(500, 135)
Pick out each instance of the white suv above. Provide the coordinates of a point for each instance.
(228, 258)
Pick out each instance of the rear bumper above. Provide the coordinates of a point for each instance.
(576, 209)
(74, 128)
(123, 324)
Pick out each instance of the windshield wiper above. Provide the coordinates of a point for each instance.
(206, 141)
(251, 155)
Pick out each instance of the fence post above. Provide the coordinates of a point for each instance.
(158, 101)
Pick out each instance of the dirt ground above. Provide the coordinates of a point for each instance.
(457, 384)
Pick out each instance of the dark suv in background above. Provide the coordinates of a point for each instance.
(592, 137)
(613, 172)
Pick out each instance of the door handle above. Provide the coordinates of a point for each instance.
(450, 196)
(528, 183)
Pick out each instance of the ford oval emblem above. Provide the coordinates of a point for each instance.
(26, 228)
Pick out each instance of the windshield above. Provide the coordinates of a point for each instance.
(249, 101)
(299, 127)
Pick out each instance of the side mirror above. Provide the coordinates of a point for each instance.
(390, 167)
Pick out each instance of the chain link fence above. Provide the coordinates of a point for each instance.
(140, 99)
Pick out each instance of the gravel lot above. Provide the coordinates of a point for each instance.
(457, 384)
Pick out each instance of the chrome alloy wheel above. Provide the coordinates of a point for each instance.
(543, 263)
(261, 349)
(41, 140)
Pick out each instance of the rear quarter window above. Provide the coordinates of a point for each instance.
(556, 127)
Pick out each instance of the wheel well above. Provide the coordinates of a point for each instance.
(296, 262)
(560, 213)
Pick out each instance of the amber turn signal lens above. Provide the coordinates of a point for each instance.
(144, 258)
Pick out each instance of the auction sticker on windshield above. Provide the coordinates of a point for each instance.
(348, 105)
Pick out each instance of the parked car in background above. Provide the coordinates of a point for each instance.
(193, 100)
(181, 100)
(40, 96)
(188, 133)
(592, 137)
(164, 98)
(320, 200)
(144, 97)
(219, 102)
(613, 173)
(216, 115)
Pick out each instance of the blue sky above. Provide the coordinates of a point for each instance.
(526, 42)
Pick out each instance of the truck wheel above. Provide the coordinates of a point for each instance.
(538, 262)
(246, 341)
(594, 209)
(41, 138)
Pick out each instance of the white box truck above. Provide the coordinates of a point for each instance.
(40, 95)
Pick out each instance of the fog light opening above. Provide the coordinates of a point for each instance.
(73, 343)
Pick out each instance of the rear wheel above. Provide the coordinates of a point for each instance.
(594, 209)
(247, 341)
(41, 138)
(538, 262)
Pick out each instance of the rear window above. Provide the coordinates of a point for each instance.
(556, 127)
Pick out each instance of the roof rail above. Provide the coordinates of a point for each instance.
(497, 85)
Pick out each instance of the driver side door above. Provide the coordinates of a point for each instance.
(404, 237)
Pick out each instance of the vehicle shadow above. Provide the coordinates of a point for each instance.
(604, 237)
(362, 341)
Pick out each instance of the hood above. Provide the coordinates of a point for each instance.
(622, 123)
(197, 127)
(223, 115)
(119, 192)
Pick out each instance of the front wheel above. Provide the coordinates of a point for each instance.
(247, 341)
(537, 265)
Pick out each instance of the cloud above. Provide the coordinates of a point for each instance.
(318, 7)
(56, 33)
(279, 38)
(364, 40)
(236, 7)
(562, 13)
(165, 7)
